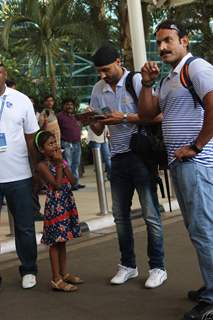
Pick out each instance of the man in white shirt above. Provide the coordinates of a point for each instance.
(17, 127)
(102, 143)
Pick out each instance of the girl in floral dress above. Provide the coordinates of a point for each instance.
(60, 214)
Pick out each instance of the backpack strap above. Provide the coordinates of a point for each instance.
(186, 81)
(129, 86)
(161, 81)
(167, 188)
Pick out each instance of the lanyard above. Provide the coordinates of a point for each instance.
(2, 105)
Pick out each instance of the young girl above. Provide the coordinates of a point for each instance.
(60, 214)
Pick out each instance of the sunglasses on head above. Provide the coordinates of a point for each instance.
(169, 26)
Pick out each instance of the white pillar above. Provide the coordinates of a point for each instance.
(137, 33)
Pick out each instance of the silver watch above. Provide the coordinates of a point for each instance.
(125, 117)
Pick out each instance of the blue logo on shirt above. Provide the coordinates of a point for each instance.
(8, 104)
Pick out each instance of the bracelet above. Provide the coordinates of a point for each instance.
(195, 148)
(147, 84)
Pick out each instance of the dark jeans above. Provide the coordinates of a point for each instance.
(19, 200)
(127, 174)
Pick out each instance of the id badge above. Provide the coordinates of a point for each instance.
(3, 143)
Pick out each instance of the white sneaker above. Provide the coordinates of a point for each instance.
(28, 281)
(156, 278)
(123, 274)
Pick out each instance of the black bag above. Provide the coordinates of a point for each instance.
(149, 147)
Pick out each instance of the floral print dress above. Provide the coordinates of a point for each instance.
(61, 221)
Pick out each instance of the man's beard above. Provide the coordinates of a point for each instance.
(113, 80)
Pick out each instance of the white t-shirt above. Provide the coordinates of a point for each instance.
(99, 139)
(18, 118)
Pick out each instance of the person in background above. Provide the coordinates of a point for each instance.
(35, 106)
(18, 125)
(188, 134)
(61, 216)
(102, 143)
(11, 83)
(71, 138)
(47, 118)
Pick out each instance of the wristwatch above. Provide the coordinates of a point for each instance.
(125, 117)
(195, 148)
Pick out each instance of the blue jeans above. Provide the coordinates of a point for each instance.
(106, 154)
(129, 173)
(19, 200)
(193, 185)
(72, 153)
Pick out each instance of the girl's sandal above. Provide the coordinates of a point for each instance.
(70, 278)
(61, 285)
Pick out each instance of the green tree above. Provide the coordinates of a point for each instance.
(197, 18)
(42, 32)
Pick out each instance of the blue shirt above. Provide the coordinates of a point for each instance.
(118, 100)
(182, 120)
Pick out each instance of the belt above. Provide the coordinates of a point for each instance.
(121, 155)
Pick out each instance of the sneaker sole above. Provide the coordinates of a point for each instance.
(129, 278)
(25, 288)
(29, 287)
(152, 287)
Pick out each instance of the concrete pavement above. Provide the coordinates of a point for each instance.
(88, 207)
(94, 257)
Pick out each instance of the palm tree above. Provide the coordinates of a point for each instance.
(41, 31)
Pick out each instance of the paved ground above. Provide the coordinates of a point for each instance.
(94, 257)
(88, 206)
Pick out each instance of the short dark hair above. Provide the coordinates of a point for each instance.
(105, 55)
(65, 100)
(169, 24)
(47, 97)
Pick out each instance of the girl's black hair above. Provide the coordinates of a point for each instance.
(40, 139)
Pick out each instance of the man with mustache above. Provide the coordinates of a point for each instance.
(188, 130)
(128, 172)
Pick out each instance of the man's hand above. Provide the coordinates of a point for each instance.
(113, 117)
(184, 152)
(150, 71)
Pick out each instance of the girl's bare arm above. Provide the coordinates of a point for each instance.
(44, 172)
(69, 175)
